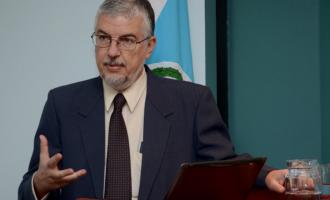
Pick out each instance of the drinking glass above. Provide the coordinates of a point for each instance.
(325, 181)
(303, 180)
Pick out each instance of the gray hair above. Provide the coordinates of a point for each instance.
(129, 9)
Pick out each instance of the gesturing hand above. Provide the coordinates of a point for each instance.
(48, 177)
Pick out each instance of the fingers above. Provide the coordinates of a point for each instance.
(275, 180)
(277, 187)
(44, 154)
(74, 176)
(81, 173)
(49, 177)
(66, 175)
(70, 177)
(62, 173)
(55, 178)
(54, 160)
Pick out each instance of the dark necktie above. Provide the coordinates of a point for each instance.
(118, 185)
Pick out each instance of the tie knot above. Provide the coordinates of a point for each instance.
(119, 102)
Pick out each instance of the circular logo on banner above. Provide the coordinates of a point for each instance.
(169, 70)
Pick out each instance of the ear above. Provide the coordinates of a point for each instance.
(151, 45)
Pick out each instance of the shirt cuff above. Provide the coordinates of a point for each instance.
(34, 192)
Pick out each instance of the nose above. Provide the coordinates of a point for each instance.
(113, 50)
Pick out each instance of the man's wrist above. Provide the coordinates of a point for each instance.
(37, 192)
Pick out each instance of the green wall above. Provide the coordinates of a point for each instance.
(210, 43)
(275, 80)
(325, 77)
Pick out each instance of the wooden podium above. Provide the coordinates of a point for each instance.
(254, 194)
(227, 180)
(264, 194)
(220, 180)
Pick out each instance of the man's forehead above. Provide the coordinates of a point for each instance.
(120, 24)
(101, 32)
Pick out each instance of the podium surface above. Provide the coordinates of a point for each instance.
(229, 179)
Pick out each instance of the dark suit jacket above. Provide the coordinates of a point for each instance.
(182, 124)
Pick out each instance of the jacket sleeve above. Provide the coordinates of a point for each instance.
(213, 139)
(48, 126)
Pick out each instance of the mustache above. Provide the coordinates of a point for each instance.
(114, 62)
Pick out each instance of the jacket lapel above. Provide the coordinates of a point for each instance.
(91, 115)
(156, 131)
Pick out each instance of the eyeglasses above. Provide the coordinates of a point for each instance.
(123, 43)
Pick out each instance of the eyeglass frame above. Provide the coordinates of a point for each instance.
(117, 41)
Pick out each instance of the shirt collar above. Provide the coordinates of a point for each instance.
(131, 94)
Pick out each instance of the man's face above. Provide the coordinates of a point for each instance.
(118, 67)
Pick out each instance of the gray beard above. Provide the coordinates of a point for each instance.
(120, 82)
(117, 82)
